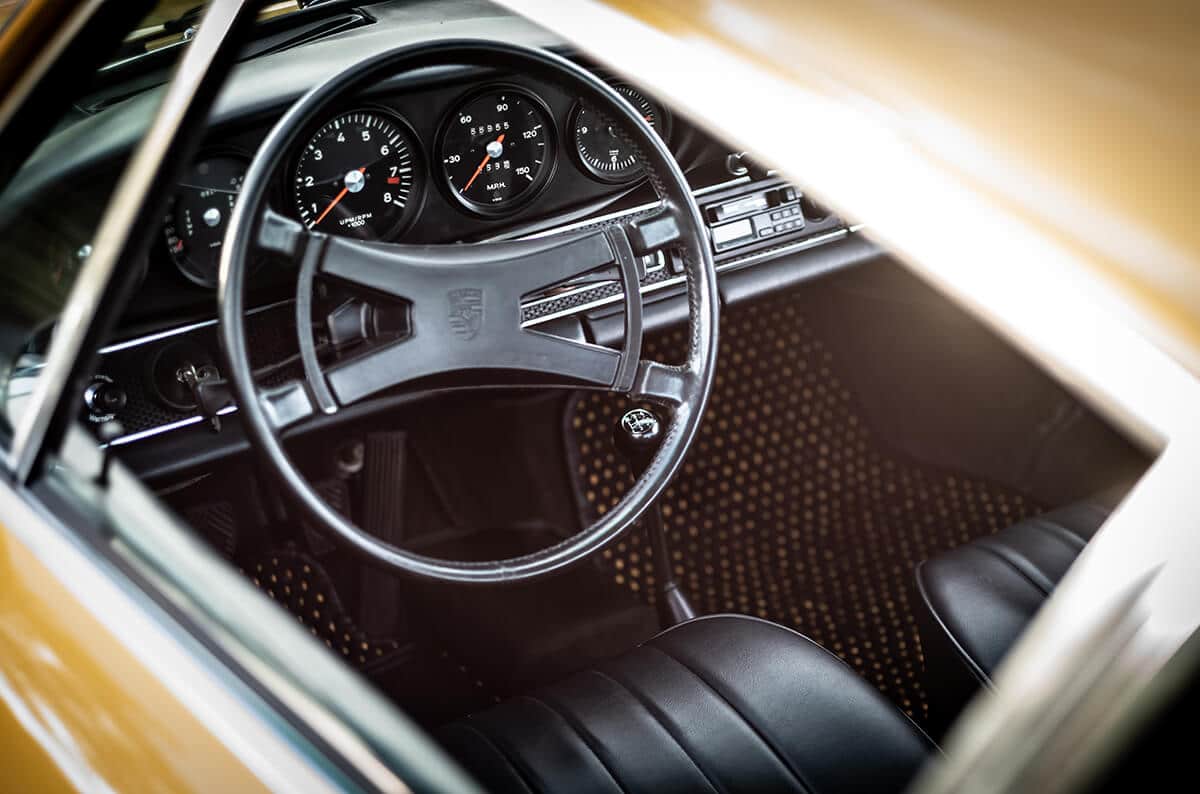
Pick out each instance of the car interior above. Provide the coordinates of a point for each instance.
(427, 347)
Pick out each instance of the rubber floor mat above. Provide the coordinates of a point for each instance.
(787, 506)
(301, 585)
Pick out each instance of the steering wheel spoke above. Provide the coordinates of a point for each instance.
(281, 235)
(663, 384)
(661, 229)
(514, 358)
(500, 272)
(466, 310)
(286, 405)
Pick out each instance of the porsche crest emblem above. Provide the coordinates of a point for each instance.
(465, 311)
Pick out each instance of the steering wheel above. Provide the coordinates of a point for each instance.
(433, 279)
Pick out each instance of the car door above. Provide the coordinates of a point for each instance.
(130, 656)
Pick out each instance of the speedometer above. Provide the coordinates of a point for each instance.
(356, 176)
(497, 150)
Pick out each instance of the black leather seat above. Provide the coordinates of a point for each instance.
(721, 703)
(979, 597)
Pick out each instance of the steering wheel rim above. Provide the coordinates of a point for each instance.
(677, 224)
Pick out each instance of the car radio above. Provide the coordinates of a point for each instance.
(759, 215)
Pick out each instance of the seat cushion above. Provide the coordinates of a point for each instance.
(720, 703)
(979, 597)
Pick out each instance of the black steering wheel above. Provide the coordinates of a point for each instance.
(434, 279)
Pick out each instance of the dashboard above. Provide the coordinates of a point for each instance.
(441, 161)
(445, 155)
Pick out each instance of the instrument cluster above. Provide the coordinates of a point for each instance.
(367, 172)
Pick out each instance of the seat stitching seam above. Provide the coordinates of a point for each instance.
(644, 702)
(973, 667)
(1064, 534)
(985, 547)
(585, 737)
(783, 760)
(508, 758)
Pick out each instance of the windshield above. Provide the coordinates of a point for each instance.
(173, 22)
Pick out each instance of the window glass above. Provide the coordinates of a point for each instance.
(50, 210)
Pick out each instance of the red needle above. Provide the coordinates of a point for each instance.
(335, 201)
(471, 181)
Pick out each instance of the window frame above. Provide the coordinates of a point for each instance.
(103, 286)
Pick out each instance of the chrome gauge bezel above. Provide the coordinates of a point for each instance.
(540, 183)
(663, 129)
(168, 230)
(416, 201)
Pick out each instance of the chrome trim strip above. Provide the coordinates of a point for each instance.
(138, 341)
(790, 248)
(166, 48)
(183, 329)
(591, 221)
(154, 337)
(167, 428)
(737, 180)
(587, 287)
(799, 245)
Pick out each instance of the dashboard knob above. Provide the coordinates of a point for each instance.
(103, 399)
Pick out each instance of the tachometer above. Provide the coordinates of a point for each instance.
(497, 150)
(356, 176)
(602, 150)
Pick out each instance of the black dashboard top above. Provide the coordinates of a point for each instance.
(416, 110)
(267, 84)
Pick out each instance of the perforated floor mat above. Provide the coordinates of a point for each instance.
(787, 506)
(301, 585)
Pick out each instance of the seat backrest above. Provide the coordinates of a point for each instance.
(979, 597)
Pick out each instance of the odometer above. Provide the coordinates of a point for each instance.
(497, 150)
(356, 176)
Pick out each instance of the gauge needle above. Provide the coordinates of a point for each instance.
(471, 181)
(341, 195)
(203, 188)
